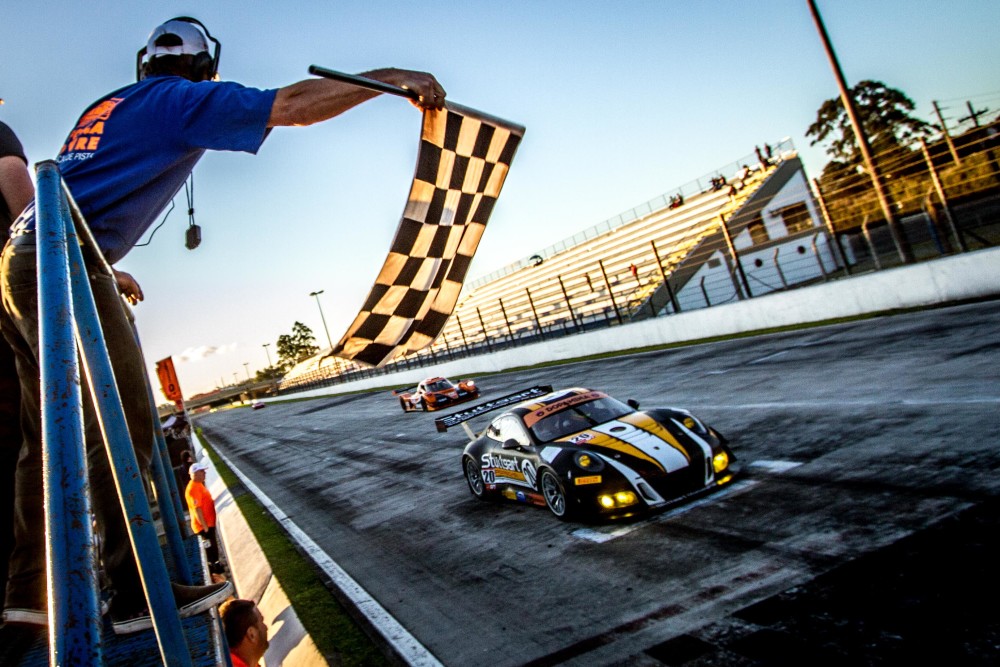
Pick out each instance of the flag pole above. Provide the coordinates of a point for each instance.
(371, 84)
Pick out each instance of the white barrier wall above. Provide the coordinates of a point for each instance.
(970, 275)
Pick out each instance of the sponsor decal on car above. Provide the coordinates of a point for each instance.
(589, 479)
(546, 410)
(581, 437)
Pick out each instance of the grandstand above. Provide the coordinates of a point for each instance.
(666, 255)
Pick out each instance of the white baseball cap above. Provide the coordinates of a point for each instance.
(195, 467)
(189, 40)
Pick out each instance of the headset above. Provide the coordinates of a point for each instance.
(203, 66)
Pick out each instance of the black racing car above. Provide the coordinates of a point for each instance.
(585, 454)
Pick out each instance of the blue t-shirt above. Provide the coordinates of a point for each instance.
(132, 150)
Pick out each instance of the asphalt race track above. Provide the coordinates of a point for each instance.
(861, 531)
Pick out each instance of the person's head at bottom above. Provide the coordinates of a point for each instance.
(246, 632)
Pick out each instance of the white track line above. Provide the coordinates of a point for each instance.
(406, 645)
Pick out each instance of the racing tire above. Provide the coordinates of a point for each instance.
(555, 495)
(402, 404)
(422, 404)
(474, 477)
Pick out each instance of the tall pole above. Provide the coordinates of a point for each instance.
(947, 134)
(902, 245)
(265, 346)
(246, 367)
(328, 339)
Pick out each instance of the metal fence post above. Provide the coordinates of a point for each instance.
(818, 194)
(777, 267)
(735, 256)
(569, 306)
(486, 336)
(944, 200)
(611, 294)
(506, 320)
(663, 275)
(534, 312)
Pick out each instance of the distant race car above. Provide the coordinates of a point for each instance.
(435, 394)
(257, 405)
(586, 455)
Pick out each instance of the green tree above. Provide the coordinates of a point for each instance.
(296, 347)
(885, 114)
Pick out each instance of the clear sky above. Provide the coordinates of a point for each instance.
(622, 101)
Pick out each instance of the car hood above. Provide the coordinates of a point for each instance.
(635, 435)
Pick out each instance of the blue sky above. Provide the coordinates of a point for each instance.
(622, 102)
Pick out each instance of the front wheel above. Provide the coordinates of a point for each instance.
(422, 404)
(555, 495)
(402, 404)
(474, 476)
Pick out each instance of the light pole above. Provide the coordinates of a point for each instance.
(246, 367)
(265, 346)
(328, 339)
(895, 231)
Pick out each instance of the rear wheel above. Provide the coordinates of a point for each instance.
(555, 495)
(422, 404)
(402, 404)
(474, 476)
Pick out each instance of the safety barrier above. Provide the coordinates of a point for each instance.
(67, 310)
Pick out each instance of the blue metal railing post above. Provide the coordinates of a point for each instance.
(74, 619)
(124, 465)
(166, 496)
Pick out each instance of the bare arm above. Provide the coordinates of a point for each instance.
(315, 100)
(15, 184)
(128, 287)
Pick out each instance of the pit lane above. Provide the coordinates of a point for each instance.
(851, 437)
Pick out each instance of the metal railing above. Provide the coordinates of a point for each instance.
(69, 326)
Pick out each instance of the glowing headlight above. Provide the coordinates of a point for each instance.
(624, 498)
(720, 461)
(618, 499)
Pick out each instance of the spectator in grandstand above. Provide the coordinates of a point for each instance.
(127, 157)
(741, 175)
(634, 270)
(16, 190)
(201, 506)
(246, 632)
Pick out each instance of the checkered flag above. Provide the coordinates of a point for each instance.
(463, 161)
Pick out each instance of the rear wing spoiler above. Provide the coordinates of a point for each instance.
(404, 390)
(444, 423)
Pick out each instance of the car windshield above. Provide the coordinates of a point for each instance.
(578, 418)
(438, 385)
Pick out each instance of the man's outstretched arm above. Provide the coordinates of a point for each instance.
(315, 100)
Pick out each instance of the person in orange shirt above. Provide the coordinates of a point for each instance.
(246, 632)
(202, 508)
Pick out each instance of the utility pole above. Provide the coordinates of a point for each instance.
(947, 135)
(973, 114)
(902, 245)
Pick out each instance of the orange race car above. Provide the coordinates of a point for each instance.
(436, 394)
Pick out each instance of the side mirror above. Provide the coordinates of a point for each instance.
(632, 403)
(511, 443)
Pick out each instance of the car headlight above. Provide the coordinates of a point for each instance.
(618, 499)
(720, 461)
(589, 462)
